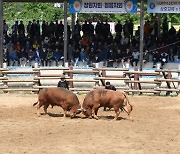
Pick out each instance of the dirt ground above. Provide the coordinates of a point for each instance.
(155, 129)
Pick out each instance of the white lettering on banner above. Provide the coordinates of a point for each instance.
(163, 6)
(92, 5)
(103, 6)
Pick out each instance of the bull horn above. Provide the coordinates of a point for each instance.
(80, 109)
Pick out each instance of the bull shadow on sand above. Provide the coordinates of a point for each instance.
(111, 118)
(60, 115)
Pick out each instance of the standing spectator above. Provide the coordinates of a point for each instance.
(107, 29)
(91, 28)
(118, 28)
(21, 28)
(131, 28)
(15, 27)
(28, 29)
(165, 25)
(5, 27)
(44, 29)
(77, 28)
(85, 28)
(60, 29)
(63, 83)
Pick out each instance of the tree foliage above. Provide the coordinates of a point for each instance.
(47, 11)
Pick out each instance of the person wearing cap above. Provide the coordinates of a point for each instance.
(110, 87)
(63, 83)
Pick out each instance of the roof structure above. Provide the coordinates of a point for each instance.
(59, 1)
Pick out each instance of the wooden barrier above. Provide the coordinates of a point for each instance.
(134, 81)
(170, 82)
(137, 87)
(71, 81)
(6, 80)
(103, 76)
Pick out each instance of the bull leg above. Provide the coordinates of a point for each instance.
(45, 108)
(38, 112)
(65, 113)
(94, 111)
(126, 110)
(117, 113)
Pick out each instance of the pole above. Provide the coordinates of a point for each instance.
(158, 22)
(1, 33)
(141, 34)
(73, 23)
(65, 32)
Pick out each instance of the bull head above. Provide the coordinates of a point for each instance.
(78, 111)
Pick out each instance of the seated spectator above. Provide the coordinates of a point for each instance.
(30, 56)
(22, 57)
(35, 45)
(37, 57)
(57, 56)
(43, 56)
(135, 57)
(164, 58)
(76, 56)
(49, 56)
(13, 58)
(83, 57)
(156, 58)
(5, 56)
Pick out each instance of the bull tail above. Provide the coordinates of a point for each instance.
(35, 103)
(127, 101)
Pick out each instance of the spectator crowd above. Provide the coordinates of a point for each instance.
(44, 43)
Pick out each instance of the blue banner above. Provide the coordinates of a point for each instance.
(103, 6)
(163, 6)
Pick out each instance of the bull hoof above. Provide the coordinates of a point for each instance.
(96, 118)
(90, 117)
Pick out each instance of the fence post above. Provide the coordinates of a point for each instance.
(71, 77)
(136, 76)
(97, 75)
(103, 75)
(179, 76)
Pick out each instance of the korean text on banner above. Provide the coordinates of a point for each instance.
(163, 6)
(103, 6)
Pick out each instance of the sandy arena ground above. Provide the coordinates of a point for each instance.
(155, 130)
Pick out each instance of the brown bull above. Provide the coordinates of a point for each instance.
(58, 97)
(105, 98)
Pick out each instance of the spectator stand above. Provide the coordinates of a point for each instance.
(115, 75)
(13, 82)
(83, 76)
(141, 82)
(48, 76)
(172, 80)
